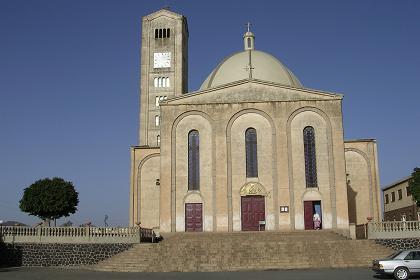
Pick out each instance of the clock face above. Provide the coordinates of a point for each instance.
(162, 60)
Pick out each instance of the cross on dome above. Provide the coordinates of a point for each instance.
(249, 38)
(248, 26)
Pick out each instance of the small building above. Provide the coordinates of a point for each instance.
(399, 203)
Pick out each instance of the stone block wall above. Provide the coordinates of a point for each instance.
(410, 213)
(400, 243)
(34, 254)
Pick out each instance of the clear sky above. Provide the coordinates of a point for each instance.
(69, 82)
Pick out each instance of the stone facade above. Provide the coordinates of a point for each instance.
(400, 243)
(173, 48)
(409, 212)
(363, 191)
(35, 254)
(279, 108)
(399, 203)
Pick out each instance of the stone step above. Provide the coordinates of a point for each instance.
(245, 251)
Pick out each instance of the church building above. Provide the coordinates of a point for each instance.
(252, 149)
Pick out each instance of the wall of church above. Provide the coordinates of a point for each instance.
(149, 193)
(281, 168)
(205, 193)
(144, 187)
(300, 192)
(265, 162)
(362, 181)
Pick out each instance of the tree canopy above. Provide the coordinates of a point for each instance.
(414, 185)
(50, 199)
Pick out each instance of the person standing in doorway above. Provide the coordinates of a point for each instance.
(317, 221)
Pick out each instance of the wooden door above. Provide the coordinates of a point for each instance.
(252, 212)
(193, 217)
(308, 213)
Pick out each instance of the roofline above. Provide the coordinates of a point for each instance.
(397, 183)
(144, 147)
(360, 140)
(257, 81)
(157, 13)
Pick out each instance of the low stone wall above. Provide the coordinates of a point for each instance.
(35, 254)
(400, 243)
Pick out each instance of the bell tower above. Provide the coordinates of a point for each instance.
(164, 68)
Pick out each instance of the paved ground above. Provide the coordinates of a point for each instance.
(70, 274)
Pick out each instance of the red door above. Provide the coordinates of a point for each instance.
(193, 217)
(252, 211)
(308, 213)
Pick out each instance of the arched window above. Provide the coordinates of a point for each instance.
(156, 33)
(160, 33)
(167, 82)
(155, 82)
(193, 160)
(310, 157)
(168, 32)
(164, 33)
(158, 140)
(251, 153)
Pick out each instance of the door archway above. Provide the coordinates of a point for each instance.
(253, 207)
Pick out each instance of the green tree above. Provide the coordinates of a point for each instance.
(50, 199)
(414, 185)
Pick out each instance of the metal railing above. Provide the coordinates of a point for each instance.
(20, 234)
(393, 229)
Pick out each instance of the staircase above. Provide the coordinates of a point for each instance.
(246, 251)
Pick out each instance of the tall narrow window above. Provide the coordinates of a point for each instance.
(156, 33)
(310, 157)
(160, 33)
(167, 82)
(193, 160)
(155, 82)
(157, 120)
(251, 153)
(158, 140)
(164, 33)
(168, 32)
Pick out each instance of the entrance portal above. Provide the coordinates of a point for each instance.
(252, 211)
(193, 217)
(309, 209)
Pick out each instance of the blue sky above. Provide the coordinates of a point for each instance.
(69, 88)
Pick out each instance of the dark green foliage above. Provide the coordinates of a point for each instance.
(414, 185)
(50, 199)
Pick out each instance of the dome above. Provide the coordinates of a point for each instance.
(263, 67)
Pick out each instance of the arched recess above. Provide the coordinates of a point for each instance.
(331, 177)
(311, 194)
(177, 222)
(359, 175)
(252, 188)
(146, 187)
(274, 178)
